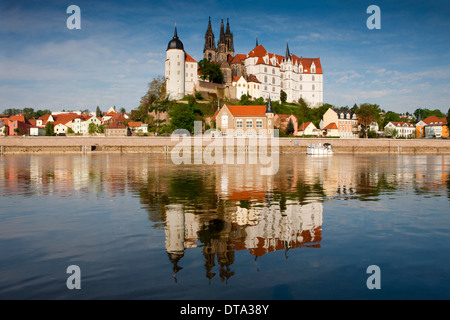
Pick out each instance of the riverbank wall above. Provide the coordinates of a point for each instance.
(21, 145)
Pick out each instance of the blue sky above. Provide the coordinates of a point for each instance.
(121, 47)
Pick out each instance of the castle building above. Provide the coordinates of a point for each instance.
(264, 74)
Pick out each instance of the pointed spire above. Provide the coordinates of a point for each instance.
(269, 108)
(222, 33)
(175, 34)
(256, 40)
(209, 25)
(288, 54)
(228, 26)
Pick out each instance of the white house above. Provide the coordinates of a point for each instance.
(404, 129)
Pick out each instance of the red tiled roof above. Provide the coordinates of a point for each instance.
(401, 123)
(331, 126)
(249, 111)
(116, 125)
(189, 58)
(260, 52)
(236, 79)
(253, 78)
(433, 120)
(135, 124)
(238, 58)
(305, 125)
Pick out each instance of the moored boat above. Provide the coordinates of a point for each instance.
(320, 149)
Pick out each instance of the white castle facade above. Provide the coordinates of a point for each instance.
(257, 74)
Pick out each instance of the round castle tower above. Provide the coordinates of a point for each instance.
(175, 68)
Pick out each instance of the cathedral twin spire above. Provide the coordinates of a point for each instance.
(224, 45)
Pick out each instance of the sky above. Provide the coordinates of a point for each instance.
(121, 47)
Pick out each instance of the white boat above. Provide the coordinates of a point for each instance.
(320, 149)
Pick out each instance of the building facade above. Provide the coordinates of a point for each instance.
(245, 121)
(266, 74)
(345, 120)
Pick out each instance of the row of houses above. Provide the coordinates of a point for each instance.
(339, 123)
(113, 122)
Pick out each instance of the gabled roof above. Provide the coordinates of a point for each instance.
(253, 78)
(305, 125)
(116, 125)
(189, 58)
(331, 126)
(238, 58)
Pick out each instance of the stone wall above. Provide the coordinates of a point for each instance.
(164, 144)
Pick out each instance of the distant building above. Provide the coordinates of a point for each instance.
(307, 129)
(345, 120)
(404, 129)
(436, 127)
(259, 74)
(245, 121)
(117, 129)
(281, 122)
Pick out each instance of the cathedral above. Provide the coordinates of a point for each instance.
(257, 73)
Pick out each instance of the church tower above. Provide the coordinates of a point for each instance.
(229, 40)
(222, 45)
(210, 51)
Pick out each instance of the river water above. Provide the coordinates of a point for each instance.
(139, 226)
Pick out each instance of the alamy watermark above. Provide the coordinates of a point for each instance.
(374, 280)
(230, 147)
(374, 21)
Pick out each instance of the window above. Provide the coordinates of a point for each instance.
(313, 78)
(273, 71)
(249, 124)
(238, 123)
(225, 121)
(259, 123)
(313, 87)
(265, 69)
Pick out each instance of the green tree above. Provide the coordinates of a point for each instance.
(50, 129)
(98, 112)
(390, 116)
(210, 71)
(182, 117)
(290, 127)
(448, 118)
(101, 128)
(92, 128)
(123, 110)
(366, 114)
(283, 96)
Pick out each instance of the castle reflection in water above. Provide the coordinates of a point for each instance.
(223, 209)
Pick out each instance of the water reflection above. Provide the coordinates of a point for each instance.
(224, 209)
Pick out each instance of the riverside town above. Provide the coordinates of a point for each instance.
(207, 156)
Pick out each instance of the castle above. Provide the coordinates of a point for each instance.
(258, 73)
